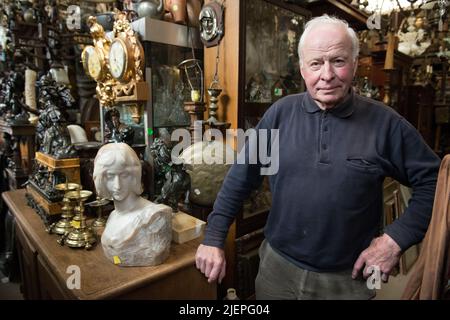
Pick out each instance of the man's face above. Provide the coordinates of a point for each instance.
(328, 67)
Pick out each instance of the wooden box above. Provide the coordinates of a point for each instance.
(186, 227)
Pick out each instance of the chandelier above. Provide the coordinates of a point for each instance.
(413, 22)
(387, 6)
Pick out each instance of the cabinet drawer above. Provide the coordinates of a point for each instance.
(50, 288)
(28, 265)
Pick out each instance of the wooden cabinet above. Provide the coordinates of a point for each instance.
(45, 266)
(28, 266)
(268, 63)
(373, 67)
(17, 143)
(441, 70)
(420, 111)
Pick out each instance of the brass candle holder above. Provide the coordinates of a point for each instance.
(214, 91)
(100, 221)
(81, 236)
(64, 225)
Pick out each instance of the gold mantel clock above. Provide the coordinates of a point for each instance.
(126, 62)
(94, 59)
(120, 61)
(94, 63)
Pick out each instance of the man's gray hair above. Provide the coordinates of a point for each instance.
(326, 19)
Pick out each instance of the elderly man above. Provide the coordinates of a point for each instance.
(336, 148)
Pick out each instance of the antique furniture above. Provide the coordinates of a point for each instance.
(372, 66)
(420, 110)
(48, 173)
(395, 201)
(46, 267)
(18, 145)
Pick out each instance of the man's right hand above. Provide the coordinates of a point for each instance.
(211, 262)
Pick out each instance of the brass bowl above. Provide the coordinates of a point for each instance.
(67, 186)
(98, 203)
(82, 195)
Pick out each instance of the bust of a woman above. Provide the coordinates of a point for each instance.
(138, 232)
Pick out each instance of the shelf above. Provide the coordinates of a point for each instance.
(167, 32)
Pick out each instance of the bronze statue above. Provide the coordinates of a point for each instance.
(160, 154)
(11, 106)
(116, 131)
(171, 179)
(52, 135)
(57, 138)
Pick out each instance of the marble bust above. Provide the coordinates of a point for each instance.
(138, 232)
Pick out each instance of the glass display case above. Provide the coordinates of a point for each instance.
(270, 67)
(168, 90)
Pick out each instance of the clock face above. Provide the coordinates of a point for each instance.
(92, 62)
(118, 59)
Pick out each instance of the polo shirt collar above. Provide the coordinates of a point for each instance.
(342, 110)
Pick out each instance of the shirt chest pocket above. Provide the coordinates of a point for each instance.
(360, 183)
(361, 165)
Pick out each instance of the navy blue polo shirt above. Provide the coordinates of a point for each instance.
(327, 196)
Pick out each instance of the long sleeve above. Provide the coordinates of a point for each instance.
(415, 165)
(240, 181)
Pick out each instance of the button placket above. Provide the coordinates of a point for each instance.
(324, 146)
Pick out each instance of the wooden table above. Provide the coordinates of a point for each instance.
(44, 266)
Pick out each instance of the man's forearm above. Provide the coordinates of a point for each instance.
(237, 186)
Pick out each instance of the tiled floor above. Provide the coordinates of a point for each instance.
(9, 290)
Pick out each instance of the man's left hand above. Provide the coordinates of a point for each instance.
(383, 253)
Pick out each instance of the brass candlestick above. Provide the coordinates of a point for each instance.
(214, 91)
(100, 221)
(213, 106)
(195, 111)
(64, 225)
(389, 68)
(81, 236)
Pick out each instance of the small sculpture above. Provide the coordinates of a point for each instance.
(115, 130)
(57, 138)
(172, 179)
(11, 106)
(175, 187)
(138, 232)
(52, 135)
(161, 158)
